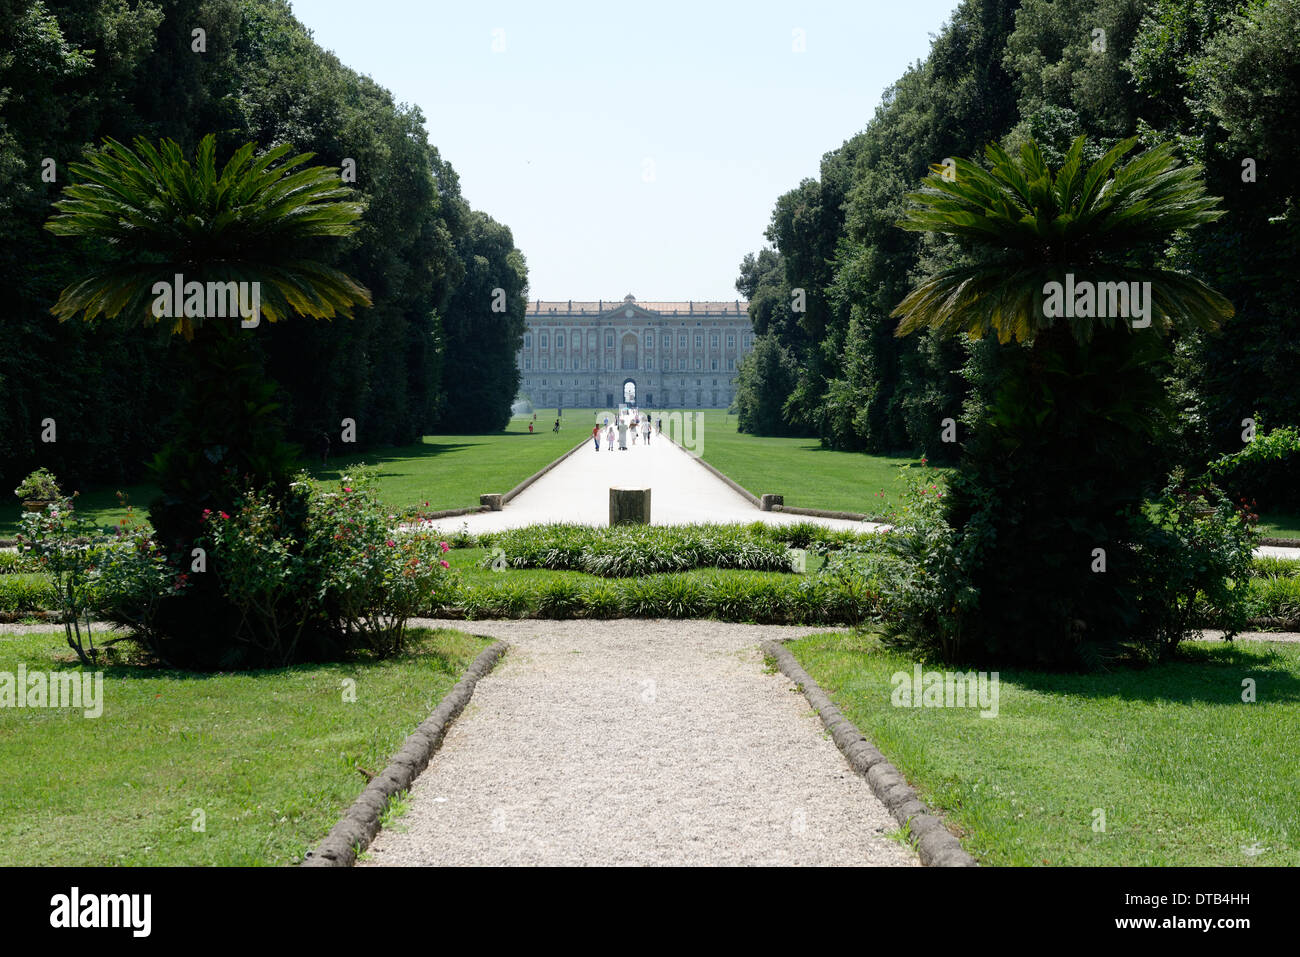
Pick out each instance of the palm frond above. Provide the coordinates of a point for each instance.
(1040, 225)
(253, 220)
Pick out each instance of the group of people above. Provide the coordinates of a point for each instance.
(632, 421)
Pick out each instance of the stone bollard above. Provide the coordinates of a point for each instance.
(629, 506)
(492, 501)
(769, 500)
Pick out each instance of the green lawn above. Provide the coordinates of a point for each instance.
(451, 471)
(1186, 773)
(447, 471)
(1280, 525)
(808, 475)
(268, 756)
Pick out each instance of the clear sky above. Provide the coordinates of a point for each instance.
(632, 147)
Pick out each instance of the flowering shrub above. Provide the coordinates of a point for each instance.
(1194, 562)
(132, 579)
(370, 580)
(927, 588)
(40, 485)
(65, 545)
(315, 573)
(257, 554)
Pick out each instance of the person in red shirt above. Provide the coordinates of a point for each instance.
(595, 434)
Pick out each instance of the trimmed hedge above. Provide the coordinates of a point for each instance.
(760, 599)
(630, 551)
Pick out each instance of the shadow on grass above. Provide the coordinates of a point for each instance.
(419, 645)
(1201, 674)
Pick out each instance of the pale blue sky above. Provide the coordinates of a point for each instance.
(632, 147)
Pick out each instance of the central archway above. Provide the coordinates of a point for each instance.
(629, 392)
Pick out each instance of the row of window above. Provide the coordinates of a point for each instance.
(716, 399)
(593, 364)
(528, 383)
(543, 341)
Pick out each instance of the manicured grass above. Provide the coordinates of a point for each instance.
(1186, 773)
(1280, 525)
(268, 756)
(447, 471)
(808, 475)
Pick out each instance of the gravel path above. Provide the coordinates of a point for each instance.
(638, 742)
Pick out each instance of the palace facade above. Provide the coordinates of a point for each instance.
(656, 355)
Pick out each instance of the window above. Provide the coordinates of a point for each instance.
(528, 363)
(681, 342)
(609, 363)
(528, 341)
(543, 382)
(544, 341)
(649, 340)
(559, 340)
(699, 364)
(544, 362)
(713, 365)
(681, 365)
(609, 340)
(699, 342)
(649, 362)
(713, 341)
(731, 364)
(591, 344)
(731, 342)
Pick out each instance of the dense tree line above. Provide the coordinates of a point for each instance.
(73, 72)
(1220, 78)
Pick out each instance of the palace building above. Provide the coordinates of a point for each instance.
(655, 355)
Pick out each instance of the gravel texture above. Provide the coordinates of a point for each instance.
(638, 742)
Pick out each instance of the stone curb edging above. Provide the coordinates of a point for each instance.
(360, 823)
(757, 500)
(505, 500)
(935, 844)
(1281, 542)
(825, 513)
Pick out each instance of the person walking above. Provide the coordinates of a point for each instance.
(595, 434)
(530, 428)
(556, 430)
(660, 425)
(645, 431)
(622, 435)
(609, 438)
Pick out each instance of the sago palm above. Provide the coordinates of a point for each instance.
(1068, 421)
(253, 221)
(1031, 226)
